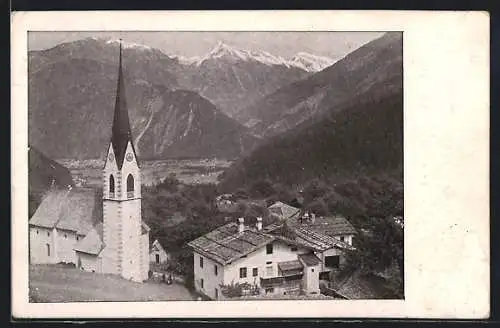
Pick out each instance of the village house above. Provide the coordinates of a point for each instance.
(157, 254)
(226, 203)
(283, 211)
(102, 233)
(284, 258)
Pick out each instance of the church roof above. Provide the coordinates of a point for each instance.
(121, 132)
(93, 241)
(76, 209)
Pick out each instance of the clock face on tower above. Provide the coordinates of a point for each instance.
(129, 157)
(111, 157)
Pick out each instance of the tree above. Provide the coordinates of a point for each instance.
(262, 188)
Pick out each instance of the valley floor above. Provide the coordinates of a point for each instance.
(56, 283)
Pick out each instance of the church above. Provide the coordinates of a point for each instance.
(98, 230)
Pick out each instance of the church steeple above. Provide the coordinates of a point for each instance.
(121, 132)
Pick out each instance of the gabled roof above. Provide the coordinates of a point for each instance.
(284, 210)
(156, 244)
(310, 259)
(225, 244)
(363, 286)
(318, 240)
(306, 237)
(330, 225)
(121, 132)
(93, 242)
(76, 209)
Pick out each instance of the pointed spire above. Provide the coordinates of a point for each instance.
(121, 132)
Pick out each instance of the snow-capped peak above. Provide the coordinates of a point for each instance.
(310, 62)
(302, 60)
(128, 45)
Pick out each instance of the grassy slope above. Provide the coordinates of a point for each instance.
(53, 283)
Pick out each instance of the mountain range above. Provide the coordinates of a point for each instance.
(71, 110)
(343, 122)
(72, 90)
(302, 60)
(233, 78)
(375, 69)
(182, 107)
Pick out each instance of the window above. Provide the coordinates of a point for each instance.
(269, 262)
(269, 271)
(312, 269)
(48, 233)
(269, 248)
(130, 186)
(48, 249)
(37, 231)
(293, 248)
(216, 269)
(201, 262)
(65, 236)
(157, 257)
(111, 186)
(216, 294)
(332, 261)
(243, 272)
(77, 238)
(269, 290)
(255, 272)
(342, 238)
(202, 283)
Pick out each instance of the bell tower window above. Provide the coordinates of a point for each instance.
(111, 186)
(130, 186)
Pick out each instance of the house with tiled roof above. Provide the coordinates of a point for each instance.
(281, 258)
(283, 211)
(157, 254)
(101, 234)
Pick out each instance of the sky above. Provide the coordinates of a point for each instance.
(188, 44)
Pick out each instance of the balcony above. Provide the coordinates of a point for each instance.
(282, 281)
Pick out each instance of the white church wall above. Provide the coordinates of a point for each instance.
(131, 248)
(112, 235)
(144, 257)
(66, 241)
(42, 245)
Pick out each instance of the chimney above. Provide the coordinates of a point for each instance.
(306, 217)
(313, 217)
(259, 223)
(241, 225)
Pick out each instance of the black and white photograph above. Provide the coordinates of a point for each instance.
(215, 166)
(250, 164)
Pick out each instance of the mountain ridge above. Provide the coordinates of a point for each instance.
(302, 60)
(373, 68)
(79, 101)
